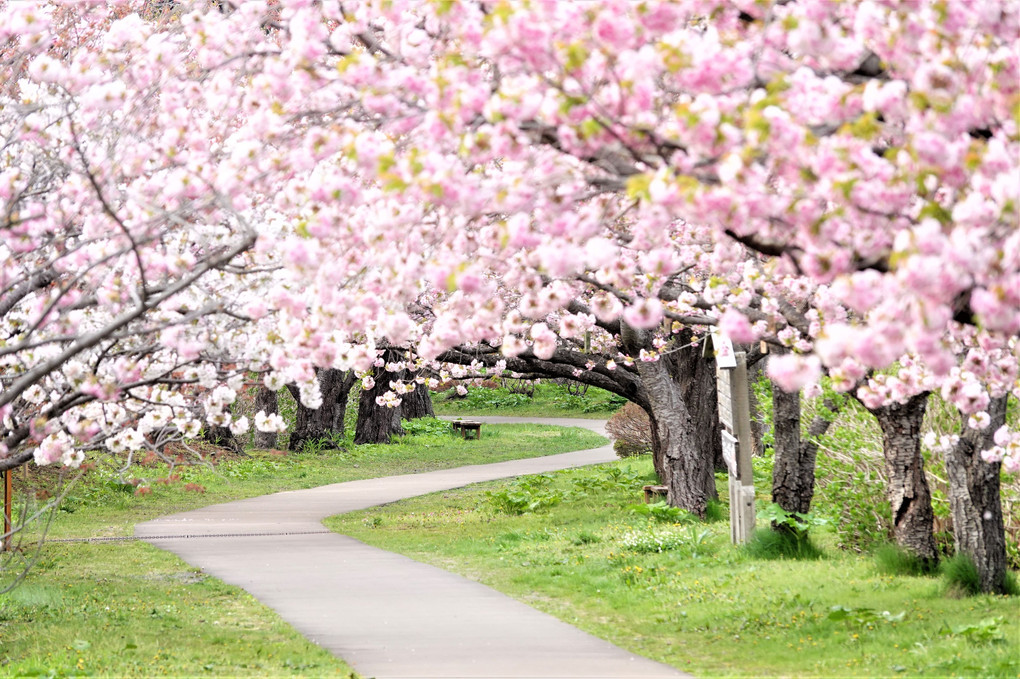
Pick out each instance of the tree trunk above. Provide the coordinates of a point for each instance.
(754, 372)
(974, 499)
(417, 404)
(687, 466)
(696, 376)
(793, 470)
(318, 424)
(222, 437)
(793, 478)
(266, 400)
(909, 496)
(686, 450)
(658, 451)
(376, 423)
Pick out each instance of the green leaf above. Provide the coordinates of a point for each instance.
(638, 186)
(936, 212)
(839, 613)
(577, 54)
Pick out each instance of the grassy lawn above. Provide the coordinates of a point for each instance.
(103, 505)
(129, 609)
(578, 552)
(548, 400)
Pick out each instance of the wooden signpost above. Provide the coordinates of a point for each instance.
(735, 417)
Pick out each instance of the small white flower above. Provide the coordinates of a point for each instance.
(239, 426)
(273, 381)
(979, 420)
(34, 394)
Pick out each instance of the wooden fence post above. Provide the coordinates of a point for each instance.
(735, 417)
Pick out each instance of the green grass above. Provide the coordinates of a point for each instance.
(891, 559)
(129, 609)
(549, 400)
(766, 543)
(701, 605)
(962, 579)
(101, 505)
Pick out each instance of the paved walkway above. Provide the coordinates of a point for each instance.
(385, 614)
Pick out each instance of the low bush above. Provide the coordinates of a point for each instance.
(782, 544)
(529, 494)
(632, 430)
(591, 402)
(894, 560)
(961, 576)
(425, 426)
(716, 510)
(660, 511)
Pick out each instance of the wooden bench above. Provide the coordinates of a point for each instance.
(655, 492)
(468, 429)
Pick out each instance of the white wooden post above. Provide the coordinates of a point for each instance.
(735, 417)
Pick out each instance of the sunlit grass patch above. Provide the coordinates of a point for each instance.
(714, 610)
(128, 609)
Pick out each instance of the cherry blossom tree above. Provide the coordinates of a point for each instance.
(310, 169)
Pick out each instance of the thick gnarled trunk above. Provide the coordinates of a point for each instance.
(318, 424)
(688, 467)
(975, 502)
(697, 379)
(908, 492)
(417, 404)
(378, 423)
(685, 433)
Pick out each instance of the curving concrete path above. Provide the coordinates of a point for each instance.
(385, 614)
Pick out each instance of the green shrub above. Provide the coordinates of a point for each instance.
(425, 426)
(771, 544)
(985, 631)
(793, 522)
(529, 494)
(716, 511)
(593, 402)
(962, 578)
(484, 399)
(516, 501)
(632, 430)
(894, 560)
(329, 442)
(850, 488)
(961, 575)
